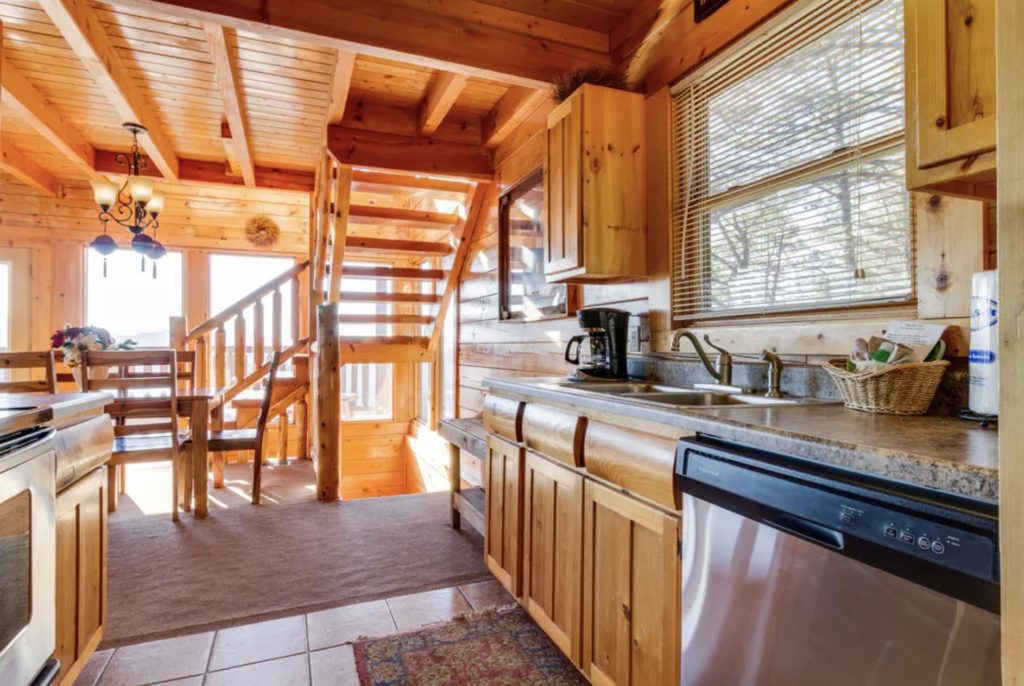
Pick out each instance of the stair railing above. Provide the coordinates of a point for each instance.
(229, 367)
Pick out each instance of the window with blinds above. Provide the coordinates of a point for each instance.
(789, 168)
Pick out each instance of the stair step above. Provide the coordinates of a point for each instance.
(407, 273)
(385, 319)
(388, 245)
(384, 349)
(375, 214)
(362, 177)
(425, 298)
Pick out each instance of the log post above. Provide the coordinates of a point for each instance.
(179, 331)
(328, 409)
(302, 430)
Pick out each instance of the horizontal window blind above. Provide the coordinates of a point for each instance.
(789, 168)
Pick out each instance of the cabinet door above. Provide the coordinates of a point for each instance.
(553, 551)
(956, 71)
(81, 572)
(503, 507)
(563, 187)
(631, 590)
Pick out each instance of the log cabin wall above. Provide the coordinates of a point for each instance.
(954, 237)
(488, 346)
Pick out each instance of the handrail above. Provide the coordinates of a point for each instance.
(255, 375)
(232, 310)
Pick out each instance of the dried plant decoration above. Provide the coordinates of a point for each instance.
(262, 231)
(596, 76)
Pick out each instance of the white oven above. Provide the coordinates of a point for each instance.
(28, 549)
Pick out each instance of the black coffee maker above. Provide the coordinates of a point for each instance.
(607, 331)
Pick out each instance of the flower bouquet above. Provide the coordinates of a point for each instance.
(74, 340)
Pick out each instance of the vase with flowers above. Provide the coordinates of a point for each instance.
(74, 340)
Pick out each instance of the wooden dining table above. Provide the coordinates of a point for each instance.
(203, 407)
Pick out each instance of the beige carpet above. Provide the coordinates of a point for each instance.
(246, 564)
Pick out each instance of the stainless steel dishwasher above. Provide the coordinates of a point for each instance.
(797, 575)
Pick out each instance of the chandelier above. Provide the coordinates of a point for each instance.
(133, 206)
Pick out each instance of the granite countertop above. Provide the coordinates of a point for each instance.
(22, 410)
(940, 453)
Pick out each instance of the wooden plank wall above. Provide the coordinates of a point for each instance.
(489, 347)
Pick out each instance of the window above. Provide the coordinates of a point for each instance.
(522, 291)
(131, 302)
(232, 277)
(790, 168)
(365, 388)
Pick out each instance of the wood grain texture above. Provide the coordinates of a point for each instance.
(553, 551)
(554, 433)
(637, 462)
(328, 405)
(503, 508)
(631, 586)
(950, 249)
(504, 417)
(409, 154)
(1010, 58)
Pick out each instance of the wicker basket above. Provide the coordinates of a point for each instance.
(897, 389)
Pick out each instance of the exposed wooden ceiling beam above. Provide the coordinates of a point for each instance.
(415, 32)
(440, 99)
(42, 116)
(511, 111)
(409, 153)
(202, 171)
(25, 169)
(78, 23)
(230, 151)
(226, 69)
(341, 82)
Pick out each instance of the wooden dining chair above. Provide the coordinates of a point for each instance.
(144, 411)
(250, 439)
(27, 361)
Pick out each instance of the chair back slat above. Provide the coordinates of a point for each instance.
(42, 360)
(268, 397)
(160, 374)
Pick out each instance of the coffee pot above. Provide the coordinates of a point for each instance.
(600, 353)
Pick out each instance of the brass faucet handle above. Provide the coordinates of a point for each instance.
(707, 339)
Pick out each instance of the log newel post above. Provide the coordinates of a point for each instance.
(328, 404)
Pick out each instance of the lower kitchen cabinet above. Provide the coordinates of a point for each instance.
(631, 591)
(81, 572)
(553, 551)
(503, 507)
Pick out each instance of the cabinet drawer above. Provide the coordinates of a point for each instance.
(504, 417)
(555, 433)
(638, 462)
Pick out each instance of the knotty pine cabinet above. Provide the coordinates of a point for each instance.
(553, 551)
(503, 507)
(951, 96)
(81, 572)
(594, 188)
(631, 590)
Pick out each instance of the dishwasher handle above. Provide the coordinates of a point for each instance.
(805, 529)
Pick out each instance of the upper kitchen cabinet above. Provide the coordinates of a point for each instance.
(951, 96)
(594, 181)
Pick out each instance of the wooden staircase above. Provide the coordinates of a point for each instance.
(342, 230)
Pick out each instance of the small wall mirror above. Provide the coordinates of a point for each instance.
(522, 292)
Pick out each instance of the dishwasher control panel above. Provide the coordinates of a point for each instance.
(963, 550)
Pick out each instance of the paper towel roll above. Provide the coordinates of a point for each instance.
(984, 355)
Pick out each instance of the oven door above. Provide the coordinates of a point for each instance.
(28, 546)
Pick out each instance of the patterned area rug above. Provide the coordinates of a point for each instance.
(503, 648)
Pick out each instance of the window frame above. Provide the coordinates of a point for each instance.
(695, 264)
(505, 314)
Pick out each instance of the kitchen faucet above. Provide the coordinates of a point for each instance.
(721, 371)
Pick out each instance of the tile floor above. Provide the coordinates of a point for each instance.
(308, 650)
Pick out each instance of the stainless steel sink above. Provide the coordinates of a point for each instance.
(655, 394)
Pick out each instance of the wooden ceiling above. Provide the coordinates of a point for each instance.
(230, 99)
